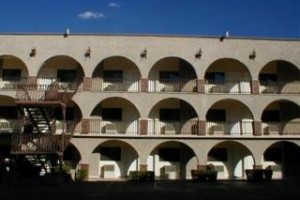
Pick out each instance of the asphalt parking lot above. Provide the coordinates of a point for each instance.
(158, 190)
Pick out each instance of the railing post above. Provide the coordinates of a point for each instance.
(144, 84)
(201, 127)
(143, 126)
(87, 84)
(255, 86)
(257, 128)
(85, 126)
(201, 86)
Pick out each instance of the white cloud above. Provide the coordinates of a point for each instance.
(91, 15)
(114, 5)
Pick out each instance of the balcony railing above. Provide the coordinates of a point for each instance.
(156, 127)
(47, 83)
(239, 128)
(115, 85)
(10, 125)
(172, 85)
(12, 83)
(281, 128)
(114, 127)
(283, 87)
(241, 87)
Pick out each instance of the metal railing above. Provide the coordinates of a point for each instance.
(240, 87)
(157, 127)
(13, 83)
(115, 85)
(238, 128)
(99, 126)
(182, 85)
(10, 125)
(280, 87)
(281, 128)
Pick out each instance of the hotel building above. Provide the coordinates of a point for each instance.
(112, 104)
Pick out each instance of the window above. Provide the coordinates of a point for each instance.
(112, 114)
(110, 153)
(271, 116)
(219, 154)
(113, 76)
(169, 154)
(267, 78)
(11, 75)
(215, 77)
(216, 115)
(169, 114)
(67, 75)
(169, 75)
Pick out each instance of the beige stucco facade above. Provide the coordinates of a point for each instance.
(244, 96)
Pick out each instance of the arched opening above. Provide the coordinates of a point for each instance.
(283, 158)
(115, 116)
(172, 160)
(227, 75)
(10, 116)
(13, 72)
(113, 159)
(116, 73)
(281, 117)
(63, 69)
(172, 74)
(230, 159)
(71, 159)
(173, 117)
(281, 77)
(229, 117)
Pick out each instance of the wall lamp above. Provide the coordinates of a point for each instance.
(144, 53)
(32, 52)
(252, 55)
(88, 53)
(198, 54)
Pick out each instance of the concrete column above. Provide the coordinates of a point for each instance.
(144, 85)
(201, 86)
(87, 84)
(255, 86)
(257, 128)
(85, 126)
(143, 126)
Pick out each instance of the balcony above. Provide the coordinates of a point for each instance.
(230, 87)
(282, 87)
(10, 125)
(238, 128)
(172, 128)
(281, 128)
(97, 126)
(13, 83)
(182, 85)
(115, 85)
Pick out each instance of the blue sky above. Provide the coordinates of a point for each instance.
(249, 18)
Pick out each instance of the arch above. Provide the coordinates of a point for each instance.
(172, 160)
(229, 116)
(279, 76)
(227, 75)
(283, 158)
(173, 116)
(231, 158)
(116, 73)
(61, 68)
(113, 159)
(172, 74)
(14, 71)
(71, 156)
(281, 117)
(115, 115)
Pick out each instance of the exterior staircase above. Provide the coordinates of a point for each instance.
(39, 137)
